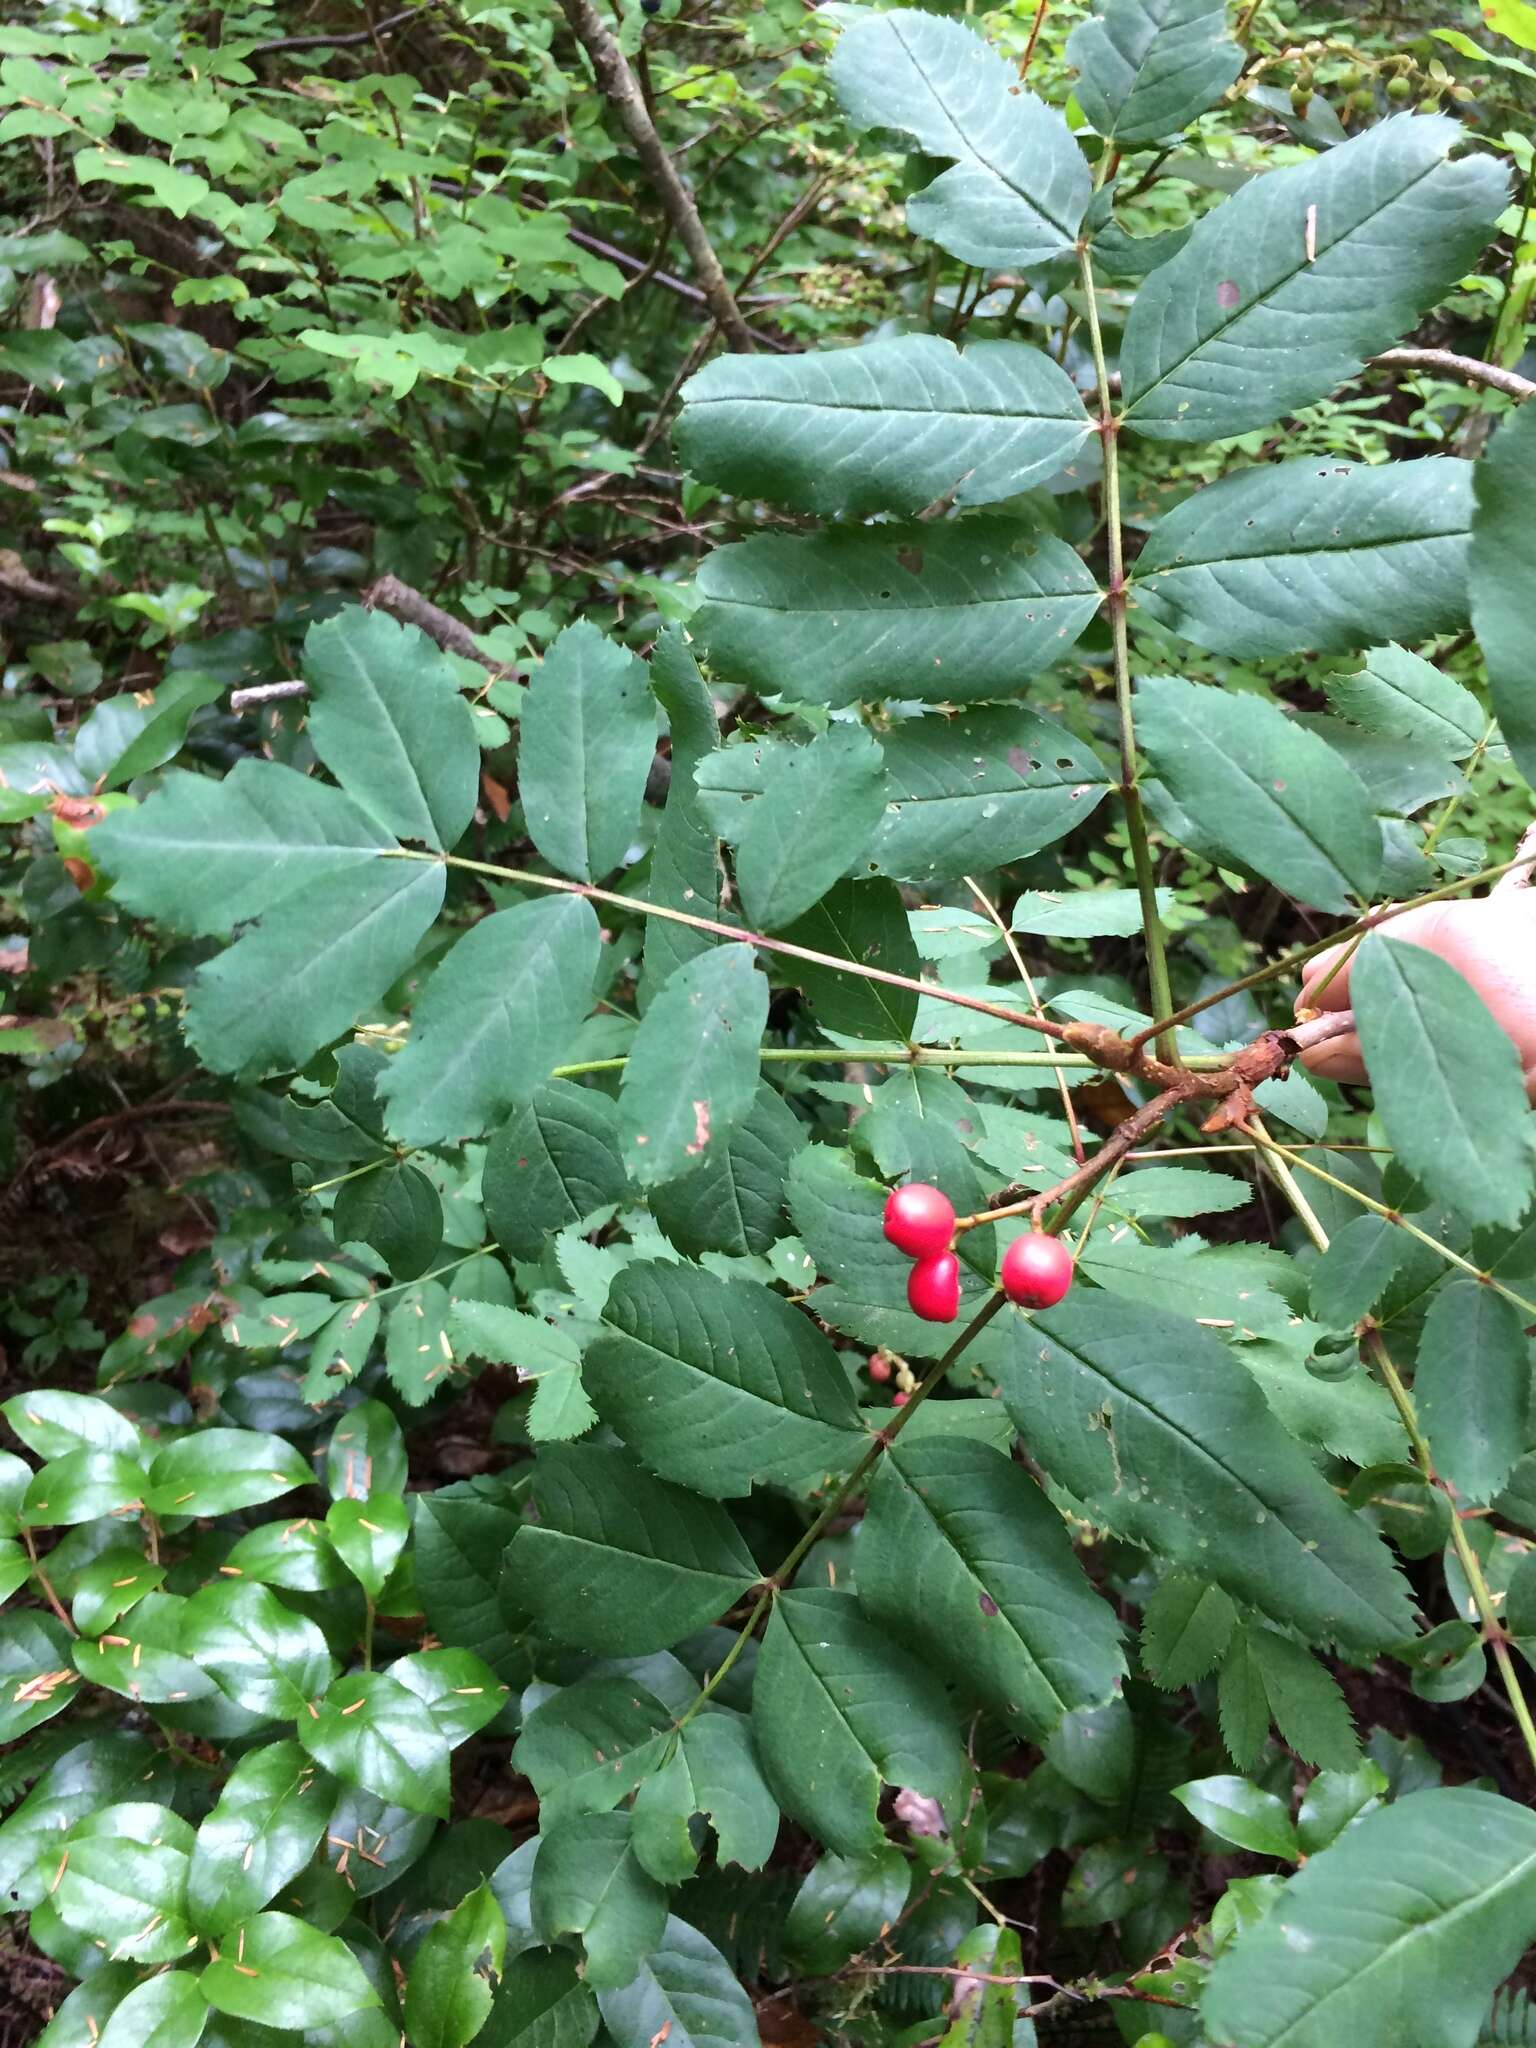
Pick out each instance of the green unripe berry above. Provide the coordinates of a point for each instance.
(1399, 88)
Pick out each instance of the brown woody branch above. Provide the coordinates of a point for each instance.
(1442, 362)
(622, 90)
(391, 595)
(1268, 1058)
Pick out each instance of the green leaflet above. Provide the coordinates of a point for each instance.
(1451, 1881)
(397, 1211)
(1185, 1628)
(961, 1555)
(619, 1562)
(1018, 185)
(169, 2011)
(288, 1975)
(301, 977)
(1502, 566)
(371, 1731)
(1292, 555)
(941, 612)
(713, 1771)
(685, 862)
(586, 737)
(204, 856)
(1265, 789)
(721, 1385)
(1241, 1813)
(890, 426)
(1148, 67)
(1447, 1080)
(843, 1904)
(1406, 697)
(1154, 1425)
(587, 1881)
(864, 921)
(555, 1161)
(1472, 1387)
(692, 1072)
(591, 1744)
(389, 721)
(1280, 295)
(734, 1203)
(495, 1017)
(257, 1650)
(815, 814)
(969, 793)
(123, 738)
(837, 1709)
(449, 1993)
(684, 1991)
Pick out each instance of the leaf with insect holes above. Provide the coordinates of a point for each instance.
(889, 426)
(838, 1708)
(453, 1975)
(974, 792)
(942, 613)
(1146, 68)
(589, 1745)
(713, 1771)
(685, 861)
(1405, 697)
(586, 738)
(1281, 294)
(692, 1072)
(1295, 555)
(1018, 185)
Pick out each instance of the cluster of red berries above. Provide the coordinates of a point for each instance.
(920, 1221)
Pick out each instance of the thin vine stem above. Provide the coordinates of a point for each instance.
(1453, 1258)
(1115, 602)
(1373, 1345)
(879, 1443)
(529, 878)
(1494, 1633)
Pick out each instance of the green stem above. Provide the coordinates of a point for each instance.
(1482, 1597)
(879, 1443)
(1373, 1343)
(1272, 1146)
(1302, 954)
(1115, 603)
(529, 878)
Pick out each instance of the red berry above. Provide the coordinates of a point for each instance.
(919, 1220)
(900, 1400)
(933, 1288)
(1037, 1270)
(879, 1369)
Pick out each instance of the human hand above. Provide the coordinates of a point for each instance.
(1491, 943)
